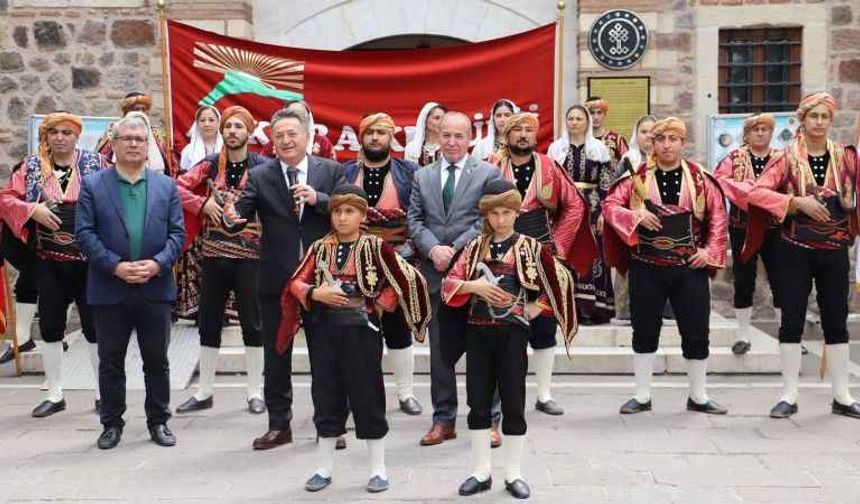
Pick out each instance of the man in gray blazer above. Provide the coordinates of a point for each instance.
(443, 216)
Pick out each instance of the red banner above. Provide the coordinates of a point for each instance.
(343, 86)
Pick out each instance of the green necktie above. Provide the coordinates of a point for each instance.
(448, 190)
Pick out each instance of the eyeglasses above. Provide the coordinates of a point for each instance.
(131, 139)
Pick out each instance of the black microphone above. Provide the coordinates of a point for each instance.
(293, 177)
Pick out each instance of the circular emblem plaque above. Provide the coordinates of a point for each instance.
(618, 39)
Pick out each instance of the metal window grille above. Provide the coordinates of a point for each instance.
(759, 69)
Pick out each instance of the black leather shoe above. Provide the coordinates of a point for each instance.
(852, 411)
(410, 406)
(783, 410)
(633, 406)
(472, 486)
(161, 435)
(47, 408)
(741, 347)
(192, 404)
(518, 488)
(109, 438)
(711, 407)
(316, 483)
(256, 406)
(97, 407)
(377, 484)
(340, 444)
(9, 355)
(549, 407)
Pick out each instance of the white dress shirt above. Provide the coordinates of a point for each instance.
(457, 172)
(301, 178)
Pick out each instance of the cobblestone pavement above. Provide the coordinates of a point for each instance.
(589, 455)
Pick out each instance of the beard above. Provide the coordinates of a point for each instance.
(516, 150)
(375, 155)
(238, 146)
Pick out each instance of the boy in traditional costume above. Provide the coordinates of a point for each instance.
(345, 280)
(509, 279)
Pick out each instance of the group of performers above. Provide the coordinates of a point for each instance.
(487, 253)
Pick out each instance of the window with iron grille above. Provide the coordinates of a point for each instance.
(760, 69)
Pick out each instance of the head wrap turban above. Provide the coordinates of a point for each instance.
(348, 194)
(758, 119)
(809, 102)
(669, 125)
(598, 103)
(130, 101)
(52, 121)
(379, 119)
(242, 113)
(520, 119)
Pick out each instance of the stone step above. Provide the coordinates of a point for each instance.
(597, 350)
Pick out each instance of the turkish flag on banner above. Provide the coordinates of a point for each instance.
(343, 86)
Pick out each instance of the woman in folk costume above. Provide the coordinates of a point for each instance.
(666, 222)
(553, 212)
(424, 148)
(586, 161)
(499, 113)
(345, 280)
(737, 173)
(812, 193)
(507, 279)
(39, 204)
(204, 135)
(640, 149)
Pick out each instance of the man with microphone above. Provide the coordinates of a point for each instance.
(289, 196)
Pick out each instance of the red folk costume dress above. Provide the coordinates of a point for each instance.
(616, 144)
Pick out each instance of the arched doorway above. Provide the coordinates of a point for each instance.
(410, 41)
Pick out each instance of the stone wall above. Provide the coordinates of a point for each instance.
(61, 55)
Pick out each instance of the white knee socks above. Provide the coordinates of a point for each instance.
(52, 361)
(696, 373)
(24, 315)
(543, 360)
(376, 458)
(254, 365)
(789, 358)
(514, 446)
(643, 371)
(325, 454)
(837, 368)
(481, 453)
(94, 362)
(403, 363)
(743, 316)
(208, 363)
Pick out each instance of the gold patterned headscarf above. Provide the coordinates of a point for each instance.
(52, 121)
(597, 103)
(519, 119)
(811, 101)
(379, 119)
(756, 120)
(348, 194)
(128, 102)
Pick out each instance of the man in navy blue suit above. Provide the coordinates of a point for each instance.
(132, 238)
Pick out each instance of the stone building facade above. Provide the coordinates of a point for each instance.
(83, 56)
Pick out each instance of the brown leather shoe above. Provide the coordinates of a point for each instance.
(273, 439)
(495, 437)
(437, 434)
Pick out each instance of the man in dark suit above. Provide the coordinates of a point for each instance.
(289, 195)
(132, 238)
(443, 217)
